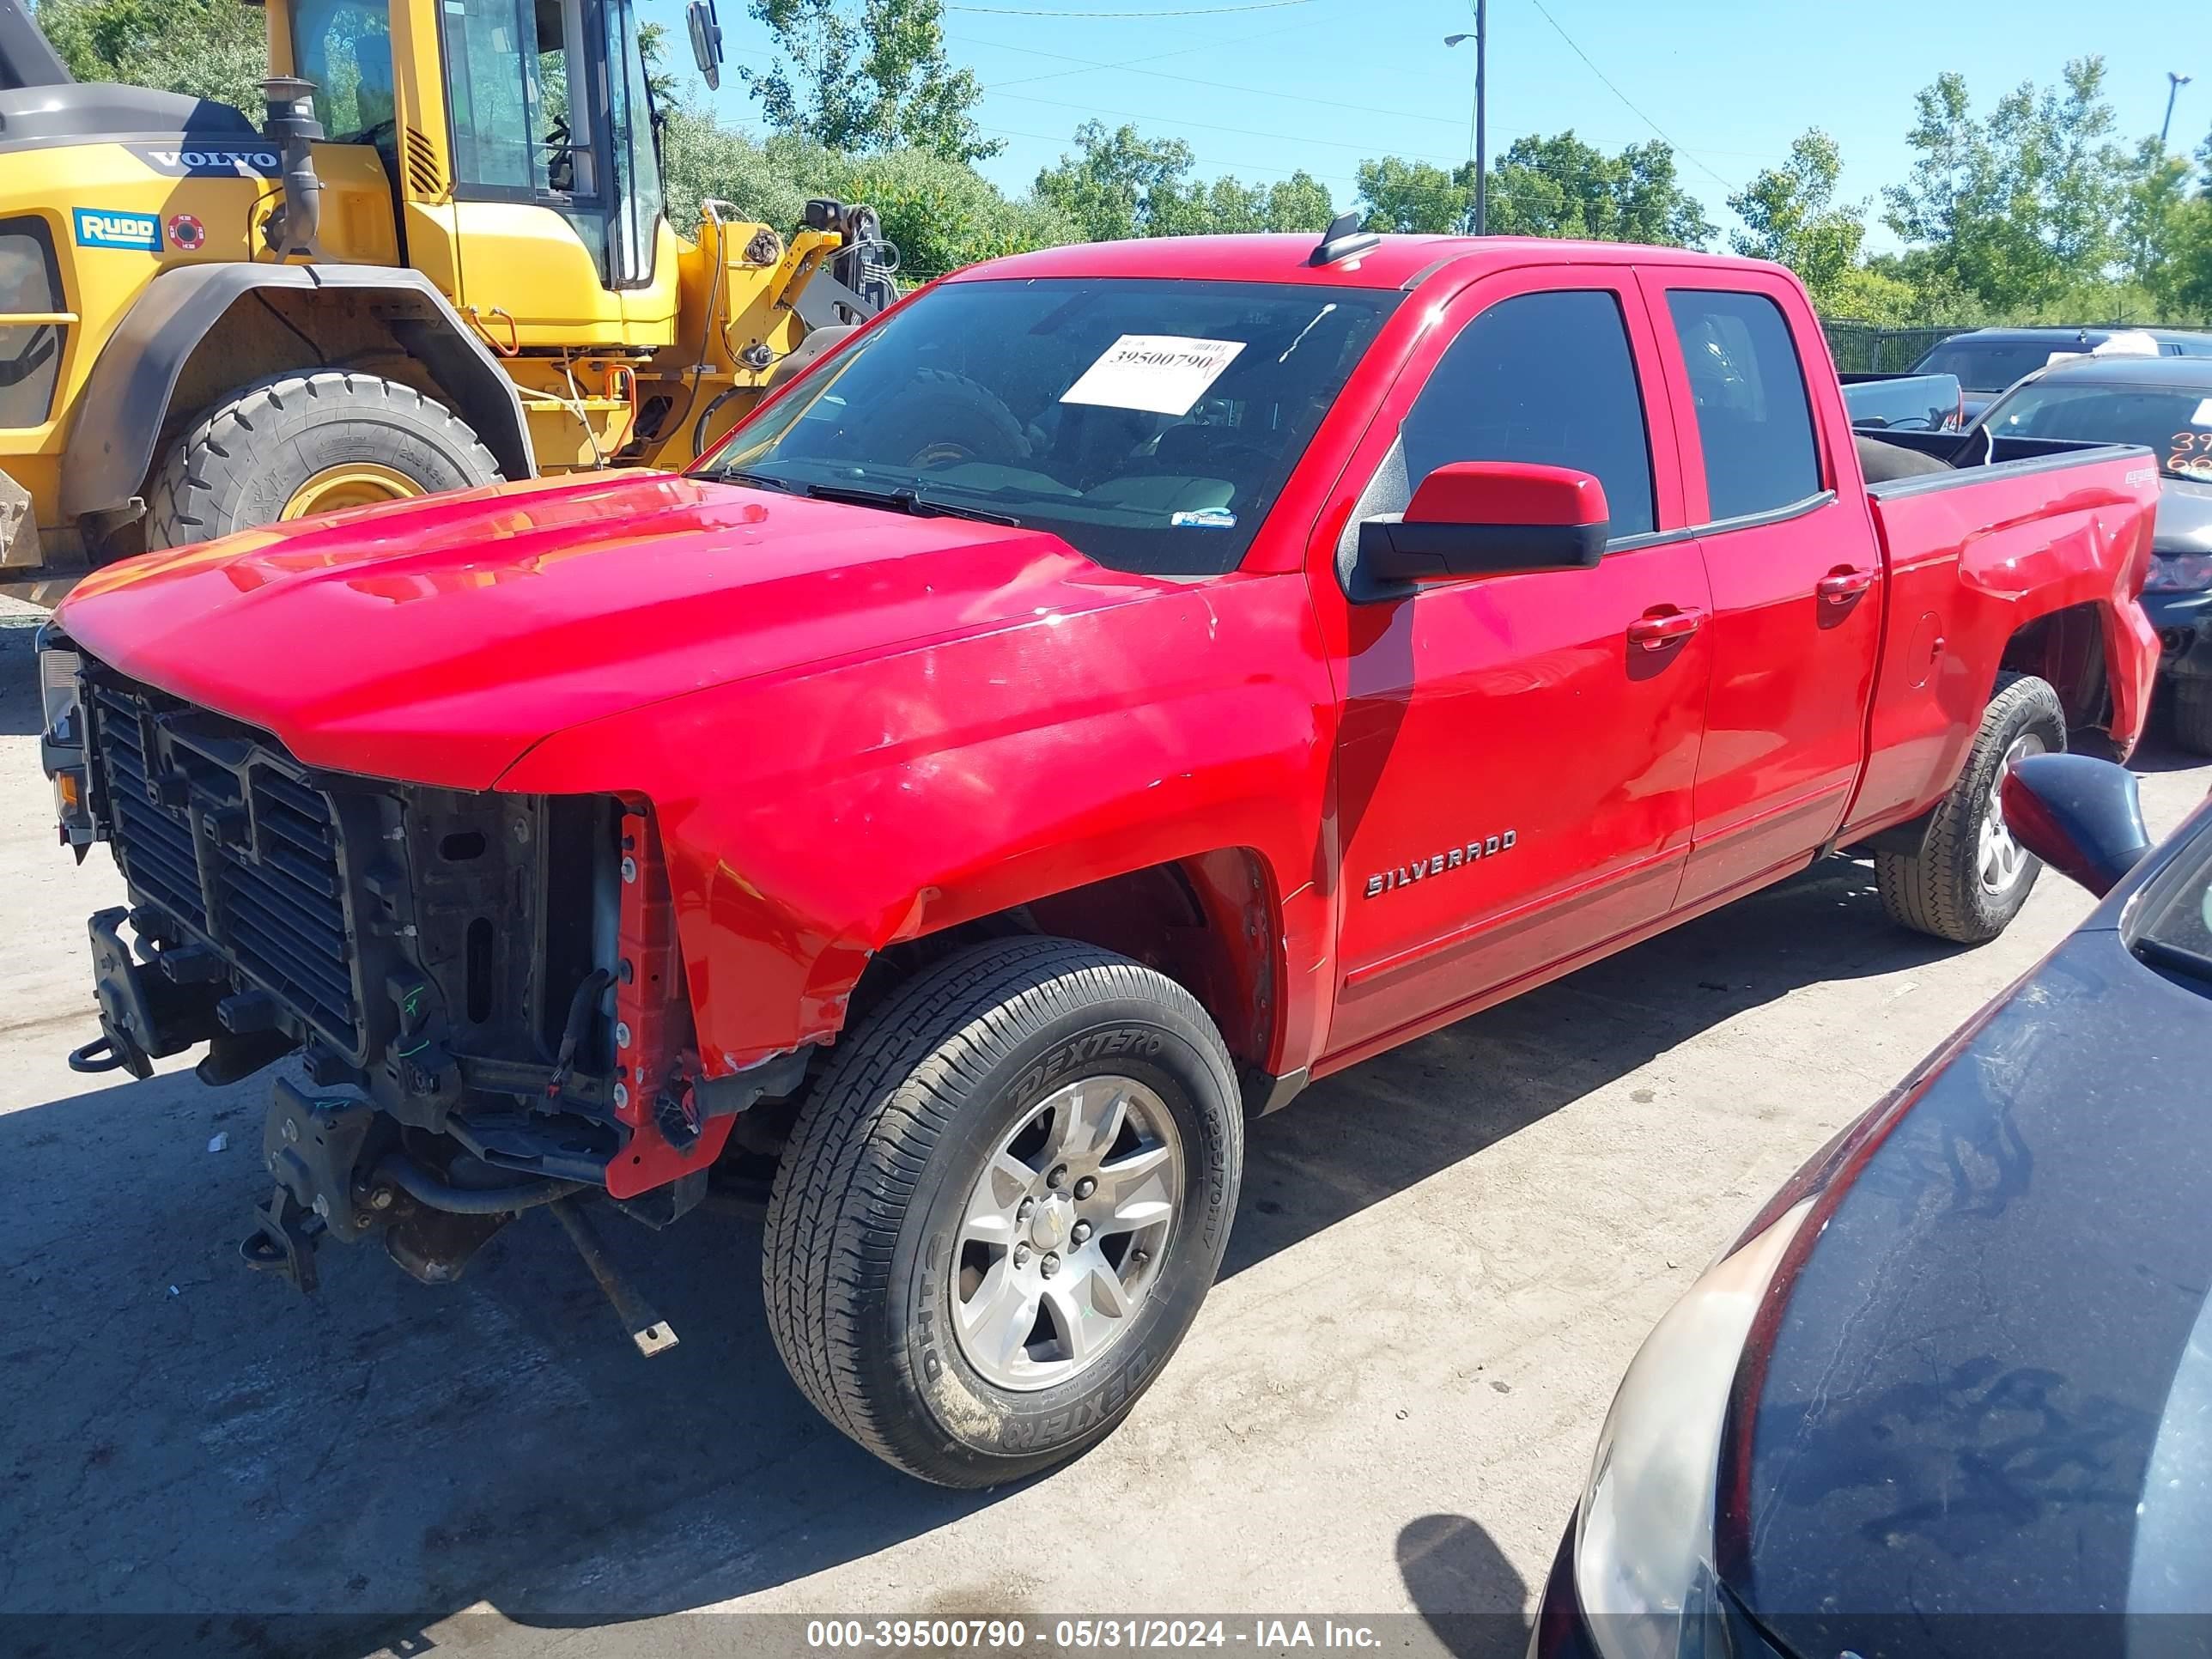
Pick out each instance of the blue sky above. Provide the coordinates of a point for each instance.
(1322, 84)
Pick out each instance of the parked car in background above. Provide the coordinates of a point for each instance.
(1118, 684)
(1955, 1377)
(1988, 360)
(1905, 402)
(2165, 404)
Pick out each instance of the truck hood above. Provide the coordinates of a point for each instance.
(437, 641)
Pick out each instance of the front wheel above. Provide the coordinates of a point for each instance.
(298, 444)
(1002, 1206)
(1970, 876)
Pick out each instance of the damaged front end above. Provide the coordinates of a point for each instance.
(484, 990)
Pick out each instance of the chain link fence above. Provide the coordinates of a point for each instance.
(1869, 347)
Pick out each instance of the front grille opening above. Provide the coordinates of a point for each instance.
(462, 846)
(478, 959)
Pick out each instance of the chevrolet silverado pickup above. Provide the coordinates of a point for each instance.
(1116, 687)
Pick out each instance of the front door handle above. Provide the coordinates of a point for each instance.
(1842, 586)
(1665, 625)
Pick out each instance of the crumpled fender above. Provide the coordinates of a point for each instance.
(811, 818)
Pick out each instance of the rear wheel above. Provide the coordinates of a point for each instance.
(1002, 1206)
(295, 445)
(1970, 876)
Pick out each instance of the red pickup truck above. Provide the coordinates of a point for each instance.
(1114, 688)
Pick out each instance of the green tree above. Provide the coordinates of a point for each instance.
(217, 49)
(1120, 184)
(2019, 206)
(1790, 215)
(870, 75)
(1300, 202)
(1415, 195)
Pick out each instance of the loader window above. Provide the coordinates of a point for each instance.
(30, 353)
(344, 47)
(515, 72)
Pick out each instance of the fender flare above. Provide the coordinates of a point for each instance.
(119, 418)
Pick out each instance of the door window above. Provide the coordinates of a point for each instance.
(1754, 421)
(491, 88)
(1546, 378)
(636, 157)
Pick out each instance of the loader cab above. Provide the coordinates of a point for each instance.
(519, 137)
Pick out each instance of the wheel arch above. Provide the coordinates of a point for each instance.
(2066, 649)
(1211, 921)
(199, 329)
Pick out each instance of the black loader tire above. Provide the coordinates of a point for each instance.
(242, 462)
(858, 1259)
(2191, 702)
(1939, 891)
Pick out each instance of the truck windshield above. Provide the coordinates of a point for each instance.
(2174, 422)
(1151, 424)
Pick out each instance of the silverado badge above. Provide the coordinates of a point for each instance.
(1437, 863)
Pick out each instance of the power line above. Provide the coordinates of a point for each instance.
(1624, 98)
(1193, 11)
(1368, 110)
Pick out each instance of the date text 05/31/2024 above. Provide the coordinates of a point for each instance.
(985, 1635)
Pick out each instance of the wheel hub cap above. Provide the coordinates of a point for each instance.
(351, 483)
(1046, 1284)
(1051, 1224)
(2001, 858)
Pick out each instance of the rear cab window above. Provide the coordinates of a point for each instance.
(1754, 415)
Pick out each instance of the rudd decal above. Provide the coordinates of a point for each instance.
(1483, 847)
(187, 232)
(246, 161)
(142, 231)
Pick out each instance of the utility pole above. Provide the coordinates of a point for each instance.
(2174, 84)
(1476, 134)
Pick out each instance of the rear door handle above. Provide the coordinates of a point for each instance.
(1664, 625)
(1842, 586)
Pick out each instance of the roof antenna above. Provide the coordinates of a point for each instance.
(1343, 239)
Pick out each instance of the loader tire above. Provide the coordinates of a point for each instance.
(1970, 878)
(298, 444)
(1001, 1208)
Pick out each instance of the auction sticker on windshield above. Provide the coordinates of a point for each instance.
(1158, 374)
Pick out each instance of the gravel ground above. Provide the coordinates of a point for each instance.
(1443, 1263)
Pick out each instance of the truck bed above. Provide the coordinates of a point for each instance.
(2009, 530)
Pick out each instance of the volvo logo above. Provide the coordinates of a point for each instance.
(1484, 846)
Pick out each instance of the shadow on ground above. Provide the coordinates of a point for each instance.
(1466, 1589)
(185, 1436)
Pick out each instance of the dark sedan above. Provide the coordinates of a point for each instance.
(1988, 360)
(2165, 404)
(1950, 1393)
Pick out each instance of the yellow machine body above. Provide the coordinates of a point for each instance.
(456, 160)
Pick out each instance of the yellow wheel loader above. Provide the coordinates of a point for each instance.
(441, 258)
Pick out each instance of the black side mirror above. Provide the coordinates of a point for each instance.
(1489, 518)
(705, 27)
(2080, 816)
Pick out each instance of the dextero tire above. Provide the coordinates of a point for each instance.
(1970, 876)
(302, 443)
(2191, 702)
(1002, 1206)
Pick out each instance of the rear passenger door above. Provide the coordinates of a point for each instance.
(1795, 572)
(1515, 757)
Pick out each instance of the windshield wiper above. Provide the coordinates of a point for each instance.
(758, 481)
(906, 499)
